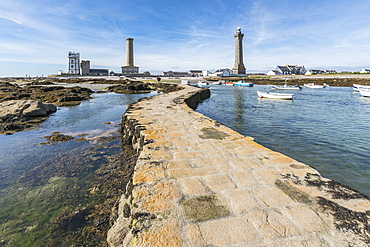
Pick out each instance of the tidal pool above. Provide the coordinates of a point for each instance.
(62, 193)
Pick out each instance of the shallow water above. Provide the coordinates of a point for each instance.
(47, 190)
(328, 129)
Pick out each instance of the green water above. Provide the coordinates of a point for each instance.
(58, 194)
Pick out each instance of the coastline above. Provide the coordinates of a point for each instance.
(197, 182)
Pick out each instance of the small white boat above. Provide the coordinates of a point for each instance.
(242, 83)
(203, 84)
(285, 96)
(314, 85)
(358, 87)
(228, 83)
(365, 92)
(286, 87)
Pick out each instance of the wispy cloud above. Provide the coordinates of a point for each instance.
(183, 34)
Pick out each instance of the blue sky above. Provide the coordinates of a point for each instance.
(37, 35)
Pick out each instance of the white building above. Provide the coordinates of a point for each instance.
(314, 71)
(196, 73)
(73, 63)
(363, 71)
(222, 72)
(288, 70)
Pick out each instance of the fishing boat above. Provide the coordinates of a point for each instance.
(358, 87)
(203, 84)
(229, 83)
(285, 96)
(365, 92)
(286, 87)
(242, 83)
(314, 85)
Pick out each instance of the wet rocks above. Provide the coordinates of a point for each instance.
(30, 108)
(58, 95)
(17, 115)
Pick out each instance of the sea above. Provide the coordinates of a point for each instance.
(328, 129)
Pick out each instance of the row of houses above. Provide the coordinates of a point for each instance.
(198, 73)
(298, 70)
(278, 70)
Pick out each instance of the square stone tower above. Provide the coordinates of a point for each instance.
(85, 67)
(239, 68)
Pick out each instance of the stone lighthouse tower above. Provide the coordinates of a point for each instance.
(239, 68)
(129, 68)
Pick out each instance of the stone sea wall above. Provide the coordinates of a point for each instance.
(198, 183)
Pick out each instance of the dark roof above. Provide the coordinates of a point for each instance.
(99, 70)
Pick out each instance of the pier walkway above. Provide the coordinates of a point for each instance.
(199, 183)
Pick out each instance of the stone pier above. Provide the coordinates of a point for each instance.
(198, 183)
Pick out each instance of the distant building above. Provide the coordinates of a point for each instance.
(330, 71)
(175, 73)
(196, 73)
(206, 73)
(314, 71)
(86, 70)
(73, 63)
(363, 71)
(288, 70)
(222, 72)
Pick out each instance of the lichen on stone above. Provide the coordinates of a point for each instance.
(211, 133)
(203, 208)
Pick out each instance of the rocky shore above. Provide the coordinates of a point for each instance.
(339, 80)
(24, 104)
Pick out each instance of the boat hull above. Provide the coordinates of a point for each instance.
(243, 84)
(313, 85)
(358, 87)
(282, 96)
(296, 88)
(365, 92)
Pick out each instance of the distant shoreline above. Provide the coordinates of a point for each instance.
(341, 80)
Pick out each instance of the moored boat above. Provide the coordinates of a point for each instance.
(365, 92)
(358, 87)
(286, 87)
(314, 85)
(203, 84)
(284, 96)
(242, 83)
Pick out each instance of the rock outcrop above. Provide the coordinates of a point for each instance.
(30, 108)
(17, 115)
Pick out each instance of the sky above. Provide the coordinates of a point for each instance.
(179, 35)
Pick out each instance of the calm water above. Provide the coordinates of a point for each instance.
(328, 129)
(43, 186)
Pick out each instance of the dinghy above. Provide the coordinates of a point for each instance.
(285, 96)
